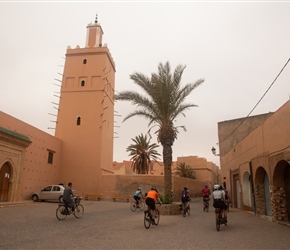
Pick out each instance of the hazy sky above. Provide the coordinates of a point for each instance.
(237, 47)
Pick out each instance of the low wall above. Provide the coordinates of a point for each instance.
(169, 209)
(128, 184)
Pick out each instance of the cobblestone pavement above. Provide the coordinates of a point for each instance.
(112, 225)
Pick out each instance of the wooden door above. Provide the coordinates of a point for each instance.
(5, 175)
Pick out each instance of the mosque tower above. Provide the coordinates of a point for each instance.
(85, 120)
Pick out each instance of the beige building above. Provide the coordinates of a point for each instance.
(255, 162)
(81, 151)
(204, 170)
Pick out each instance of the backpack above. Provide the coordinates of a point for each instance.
(184, 194)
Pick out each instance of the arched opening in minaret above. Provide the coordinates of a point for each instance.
(85, 61)
(83, 83)
(78, 120)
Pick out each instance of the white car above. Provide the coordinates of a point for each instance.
(52, 192)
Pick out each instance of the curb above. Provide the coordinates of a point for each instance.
(15, 203)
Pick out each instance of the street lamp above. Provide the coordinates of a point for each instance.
(213, 150)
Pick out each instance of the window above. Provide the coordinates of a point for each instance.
(78, 120)
(85, 61)
(50, 157)
(47, 189)
(56, 188)
(82, 83)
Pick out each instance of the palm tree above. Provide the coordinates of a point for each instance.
(184, 170)
(142, 153)
(165, 100)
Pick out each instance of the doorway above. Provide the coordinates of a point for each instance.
(5, 175)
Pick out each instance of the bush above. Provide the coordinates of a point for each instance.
(165, 199)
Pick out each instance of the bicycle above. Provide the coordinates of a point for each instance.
(148, 217)
(227, 202)
(218, 218)
(134, 205)
(186, 208)
(206, 204)
(63, 210)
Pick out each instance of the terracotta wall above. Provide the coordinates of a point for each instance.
(262, 152)
(229, 137)
(36, 172)
(128, 184)
(205, 171)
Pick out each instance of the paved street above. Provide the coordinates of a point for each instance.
(112, 225)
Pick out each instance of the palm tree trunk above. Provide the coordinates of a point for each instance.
(167, 161)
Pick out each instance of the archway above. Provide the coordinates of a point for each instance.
(262, 192)
(5, 176)
(246, 188)
(281, 190)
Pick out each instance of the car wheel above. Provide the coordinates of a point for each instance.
(34, 197)
(60, 199)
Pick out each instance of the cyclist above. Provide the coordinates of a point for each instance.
(68, 197)
(151, 198)
(227, 197)
(137, 196)
(205, 194)
(185, 196)
(219, 200)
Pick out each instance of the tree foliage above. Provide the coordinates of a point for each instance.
(163, 102)
(142, 153)
(184, 170)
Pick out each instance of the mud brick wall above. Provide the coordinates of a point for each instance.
(278, 200)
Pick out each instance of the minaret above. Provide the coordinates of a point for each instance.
(94, 35)
(85, 120)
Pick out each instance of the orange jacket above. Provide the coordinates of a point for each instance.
(152, 194)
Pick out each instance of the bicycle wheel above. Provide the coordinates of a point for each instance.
(142, 205)
(207, 206)
(147, 219)
(157, 217)
(133, 206)
(184, 210)
(61, 213)
(228, 204)
(79, 211)
(188, 209)
(218, 222)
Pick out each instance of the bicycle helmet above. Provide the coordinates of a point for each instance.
(139, 189)
(205, 185)
(216, 187)
(185, 188)
(153, 188)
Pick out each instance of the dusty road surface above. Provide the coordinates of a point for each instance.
(112, 225)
